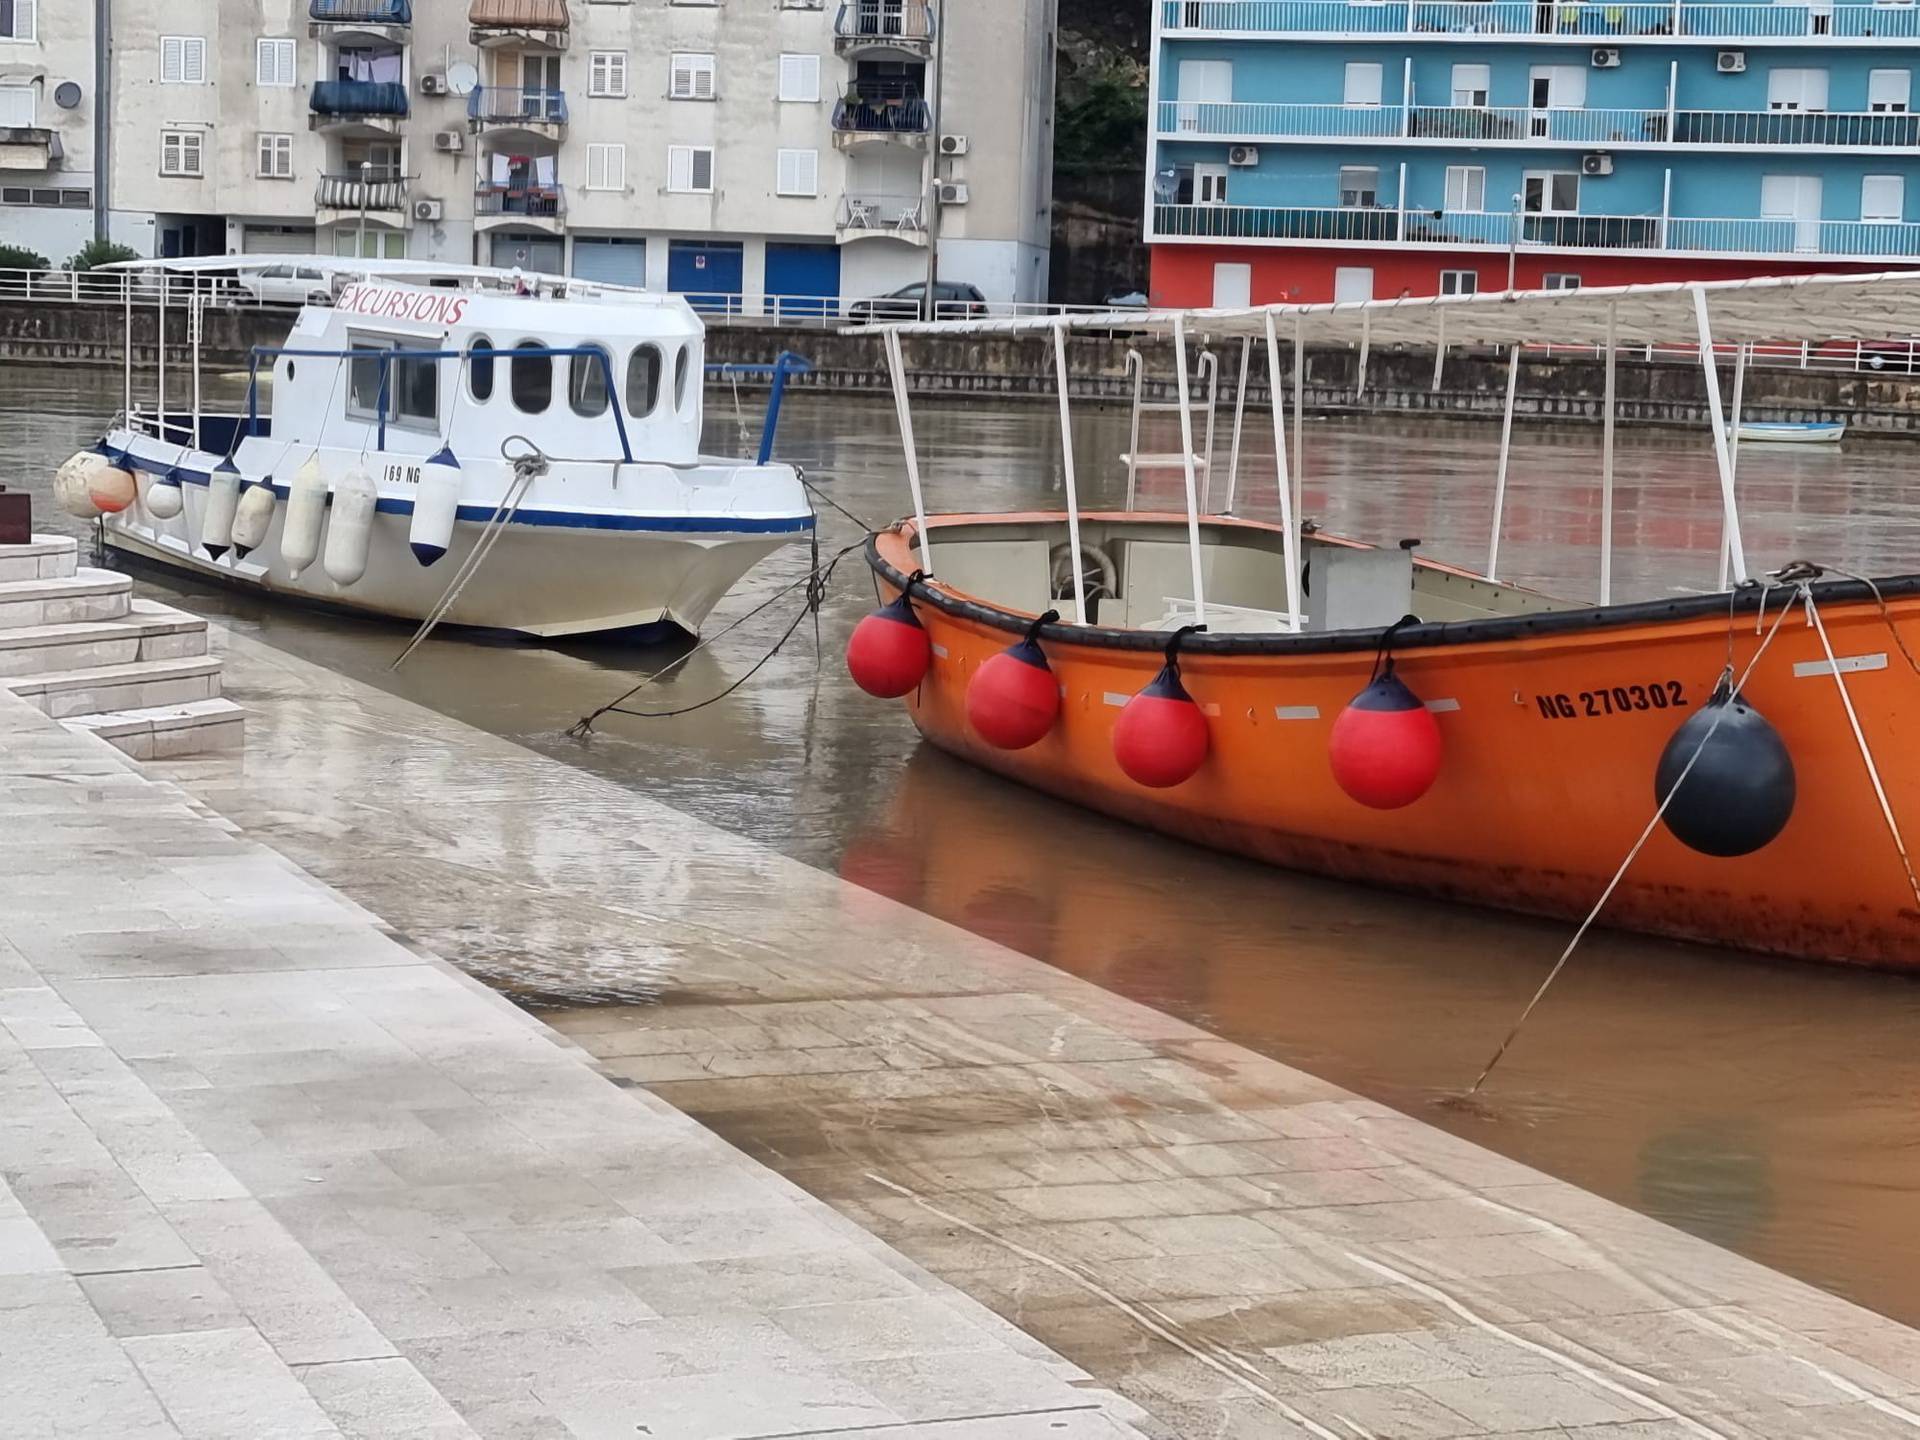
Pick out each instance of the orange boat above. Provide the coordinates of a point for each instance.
(1495, 745)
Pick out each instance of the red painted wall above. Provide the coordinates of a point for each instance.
(1183, 274)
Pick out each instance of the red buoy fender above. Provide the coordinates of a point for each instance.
(1385, 747)
(1013, 699)
(1161, 737)
(889, 653)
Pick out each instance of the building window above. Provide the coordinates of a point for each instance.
(797, 173)
(800, 78)
(273, 63)
(1209, 185)
(1471, 85)
(1560, 280)
(180, 152)
(689, 170)
(692, 78)
(276, 157)
(1887, 91)
(17, 105)
(1459, 282)
(1359, 186)
(606, 167)
(16, 19)
(1550, 192)
(1362, 83)
(1466, 187)
(183, 60)
(607, 74)
(1796, 90)
(1883, 199)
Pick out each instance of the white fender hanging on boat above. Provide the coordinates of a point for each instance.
(223, 498)
(306, 513)
(350, 532)
(73, 483)
(163, 498)
(436, 505)
(252, 519)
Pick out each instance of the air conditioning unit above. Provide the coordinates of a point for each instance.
(953, 144)
(428, 210)
(1606, 59)
(1730, 62)
(1243, 155)
(953, 192)
(1598, 163)
(433, 84)
(449, 142)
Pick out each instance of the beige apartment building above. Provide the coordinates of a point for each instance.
(750, 152)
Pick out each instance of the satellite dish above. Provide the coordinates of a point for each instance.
(66, 94)
(462, 78)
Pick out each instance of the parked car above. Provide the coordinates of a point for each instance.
(952, 301)
(287, 284)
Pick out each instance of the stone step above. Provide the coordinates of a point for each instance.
(149, 632)
(139, 685)
(169, 732)
(86, 596)
(45, 557)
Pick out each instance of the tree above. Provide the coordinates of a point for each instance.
(100, 252)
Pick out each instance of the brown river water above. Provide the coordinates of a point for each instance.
(1770, 1107)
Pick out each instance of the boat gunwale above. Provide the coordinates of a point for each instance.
(1425, 635)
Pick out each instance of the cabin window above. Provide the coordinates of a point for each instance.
(680, 362)
(532, 379)
(480, 369)
(587, 383)
(643, 380)
(412, 384)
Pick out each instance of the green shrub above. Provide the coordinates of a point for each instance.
(100, 252)
(18, 257)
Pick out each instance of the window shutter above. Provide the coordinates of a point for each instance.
(23, 20)
(798, 173)
(800, 77)
(193, 60)
(1882, 198)
(679, 168)
(703, 169)
(266, 155)
(1887, 90)
(703, 81)
(172, 50)
(617, 72)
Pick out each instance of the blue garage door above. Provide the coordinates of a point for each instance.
(707, 272)
(797, 273)
(613, 260)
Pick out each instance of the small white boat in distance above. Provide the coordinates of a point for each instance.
(1791, 432)
(548, 423)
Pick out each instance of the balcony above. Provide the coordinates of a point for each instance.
(1862, 240)
(376, 106)
(513, 110)
(1520, 126)
(862, 215)
(1583, 21)
(385, 19)
(29, 147)
(858, 119)
(526, 22)
(866, 25)
(348, 192)
(540, 207)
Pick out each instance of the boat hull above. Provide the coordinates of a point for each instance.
(1787, 433)
(1552, 727)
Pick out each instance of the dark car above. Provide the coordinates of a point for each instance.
(952, 300)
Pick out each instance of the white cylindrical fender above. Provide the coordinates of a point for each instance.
(306, 513)
(163, 498)
(252, 519)
(73, 483)
(436, 505)
(350, 531)
(216, 521)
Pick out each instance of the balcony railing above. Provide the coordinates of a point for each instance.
(512, 105)
(539, 202)
(883, 214)
(910, 23)
(378, 98)
(1497, 230)
(859, 116)
(361, 12)
(1479, 125)
(518, 15)
(350, 192)
(1582, 19)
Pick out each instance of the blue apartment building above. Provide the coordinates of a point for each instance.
(1316, 150)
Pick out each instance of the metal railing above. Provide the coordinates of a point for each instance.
(361, 12)
(383, 98)
(859, 116)
(1581, 19)
(353, 192)
(910, 22)
(515, 105)
(882, 214)
(541, 202)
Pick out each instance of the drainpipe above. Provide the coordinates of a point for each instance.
(102, 112)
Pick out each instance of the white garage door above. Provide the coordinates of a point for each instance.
(276, 240)
(615, 260)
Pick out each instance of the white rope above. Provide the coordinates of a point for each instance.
(1659, 814)
(1860, 739)
(526, 468)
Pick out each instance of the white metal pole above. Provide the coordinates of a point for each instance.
(1366, 344)
(1210, 366)
(1723, 457)
(1500, 476)
(1186, 461)
(162, 402)
(1239, 417)
(1299, 412)
(1138, 365)
(1606, 471)
(1066, 462)
(1440, 352)
(1289, 531)
(897, 370)
(1733, 443)
(126, 343)
(195, 315)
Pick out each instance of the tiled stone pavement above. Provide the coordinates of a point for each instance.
(1242, 1249)
(267, 1172)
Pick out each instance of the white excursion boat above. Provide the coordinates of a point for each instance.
(519, 452)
